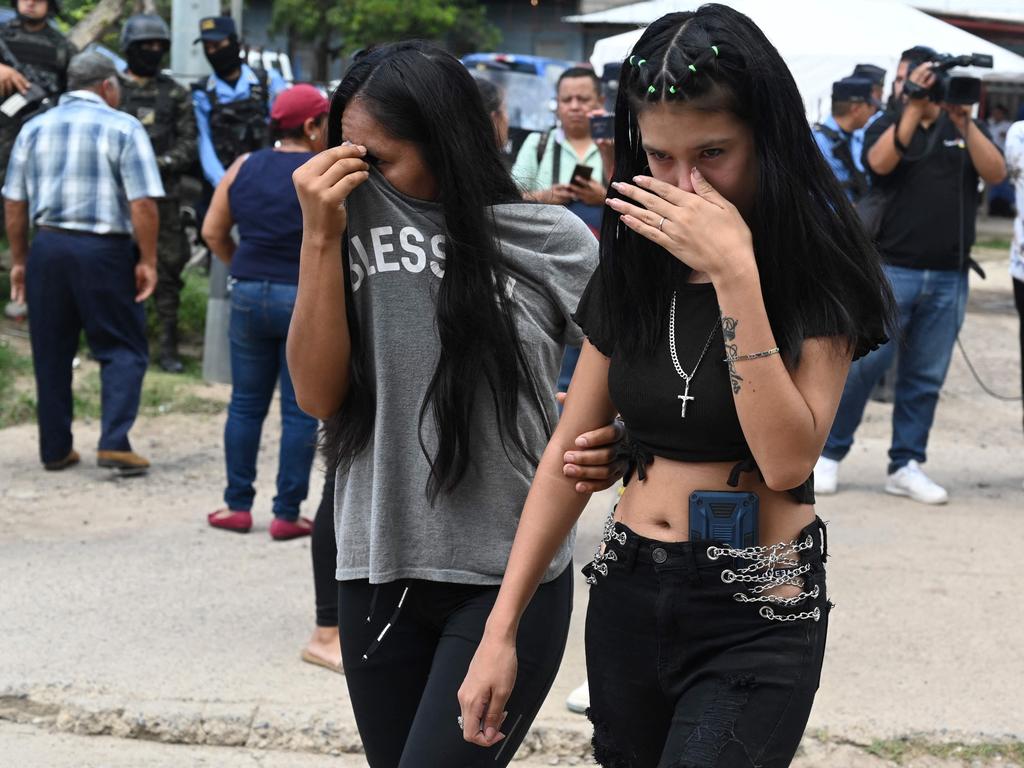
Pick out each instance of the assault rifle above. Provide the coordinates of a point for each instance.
(20, 105)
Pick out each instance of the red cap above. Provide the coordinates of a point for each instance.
(295, 105)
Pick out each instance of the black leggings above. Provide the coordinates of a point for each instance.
(324, 549)
(404, 686)
(689, 666)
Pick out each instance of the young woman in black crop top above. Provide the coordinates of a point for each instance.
(735, 287)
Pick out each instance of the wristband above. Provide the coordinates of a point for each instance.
(901, 148)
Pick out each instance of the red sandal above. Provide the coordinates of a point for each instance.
(282, 530)
(237, 520)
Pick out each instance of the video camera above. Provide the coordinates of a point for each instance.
(951, 89)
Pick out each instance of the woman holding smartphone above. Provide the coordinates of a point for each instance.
(433, 308)
(735, 287)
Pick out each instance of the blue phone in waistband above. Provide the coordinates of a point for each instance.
(726, 516)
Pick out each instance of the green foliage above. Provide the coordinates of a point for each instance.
(73, 11)
(191, 313)
(461, 25)
(17, 404)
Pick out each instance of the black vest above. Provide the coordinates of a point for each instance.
(153, 106)
(43, 55)
(237, 127)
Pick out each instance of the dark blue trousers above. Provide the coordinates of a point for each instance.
(77, 282)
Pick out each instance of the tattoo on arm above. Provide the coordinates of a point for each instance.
(732, 349)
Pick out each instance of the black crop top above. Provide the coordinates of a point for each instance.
(646, 389)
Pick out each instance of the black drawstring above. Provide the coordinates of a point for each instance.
(637, 459)
(394, 617)
(747, 465)
(373, 603)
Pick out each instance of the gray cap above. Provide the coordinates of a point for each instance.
(89, 68)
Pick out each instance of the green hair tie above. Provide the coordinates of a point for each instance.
(692, 69)
(641, 62)
(715, 49)
(651, 89)
(671, 89)
(632, 59)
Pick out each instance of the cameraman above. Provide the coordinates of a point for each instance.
(927, 158)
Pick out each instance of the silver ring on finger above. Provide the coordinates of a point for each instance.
(462, 724)
(661, 224)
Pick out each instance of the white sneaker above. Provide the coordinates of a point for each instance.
(911, 481)
(579, 699)
(826, 477)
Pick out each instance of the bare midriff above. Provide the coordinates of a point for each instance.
(658, 507)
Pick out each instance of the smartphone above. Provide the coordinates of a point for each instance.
(581, 172)
(726, 516)
(602, 127)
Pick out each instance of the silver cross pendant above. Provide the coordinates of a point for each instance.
(685, 397)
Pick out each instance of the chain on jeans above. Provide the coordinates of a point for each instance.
(772, 566)
(768, 570)
(609, 534)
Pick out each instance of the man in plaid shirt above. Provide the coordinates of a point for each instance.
(84, 176)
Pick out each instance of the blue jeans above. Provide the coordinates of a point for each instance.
(569, 360)
(260, 314)
(76, 282)
(931, 305)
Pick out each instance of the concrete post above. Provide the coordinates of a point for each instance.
(187, 60)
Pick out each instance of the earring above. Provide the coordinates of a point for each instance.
(313, 136)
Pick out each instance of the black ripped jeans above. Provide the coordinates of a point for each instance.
(404, 665)
(692, 667)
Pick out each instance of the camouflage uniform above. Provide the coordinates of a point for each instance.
(165, 110)
(43, 58)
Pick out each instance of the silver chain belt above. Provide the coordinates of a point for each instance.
(771, 566)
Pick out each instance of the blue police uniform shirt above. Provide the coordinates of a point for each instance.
(857, 141)
(825, 145)
(227, 93)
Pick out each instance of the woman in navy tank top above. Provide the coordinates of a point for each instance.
(258, 197)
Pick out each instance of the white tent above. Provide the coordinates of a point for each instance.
(822, 40)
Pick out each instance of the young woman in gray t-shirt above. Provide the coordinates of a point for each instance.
(430, 350)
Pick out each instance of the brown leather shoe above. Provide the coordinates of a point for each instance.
(127, 463)
(68, 461)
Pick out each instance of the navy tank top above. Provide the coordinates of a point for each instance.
(266, 209)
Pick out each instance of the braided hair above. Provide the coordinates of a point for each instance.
(820, 273)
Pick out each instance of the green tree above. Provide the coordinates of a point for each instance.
(345, 26)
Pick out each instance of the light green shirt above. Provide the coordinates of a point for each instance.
(533, 176)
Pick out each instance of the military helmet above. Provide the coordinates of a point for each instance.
(144, 26)
(52, 7)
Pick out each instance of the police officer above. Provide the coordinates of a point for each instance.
(232, 105)
(852, 106)
(41, 55)
(165, 110)
(877, 77)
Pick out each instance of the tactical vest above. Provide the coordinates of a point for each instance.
(43, 55)
(237, 127)
(857, 181)
(152, 104)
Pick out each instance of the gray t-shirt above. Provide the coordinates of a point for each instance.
(386, 526)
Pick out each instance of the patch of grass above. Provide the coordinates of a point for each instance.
(16, 404)
(993, 243)
(161, 392)
(900, 751)
(191, 313)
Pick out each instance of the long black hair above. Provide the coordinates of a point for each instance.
(423, 95)
(820, 274)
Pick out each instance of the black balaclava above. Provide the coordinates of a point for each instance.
(225, 60)
(142, 61)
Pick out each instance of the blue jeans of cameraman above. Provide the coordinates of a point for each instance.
(260, 314)
(931, 306)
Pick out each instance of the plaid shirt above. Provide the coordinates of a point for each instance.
(80, 164)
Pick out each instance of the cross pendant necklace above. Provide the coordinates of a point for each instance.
(686, 397)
